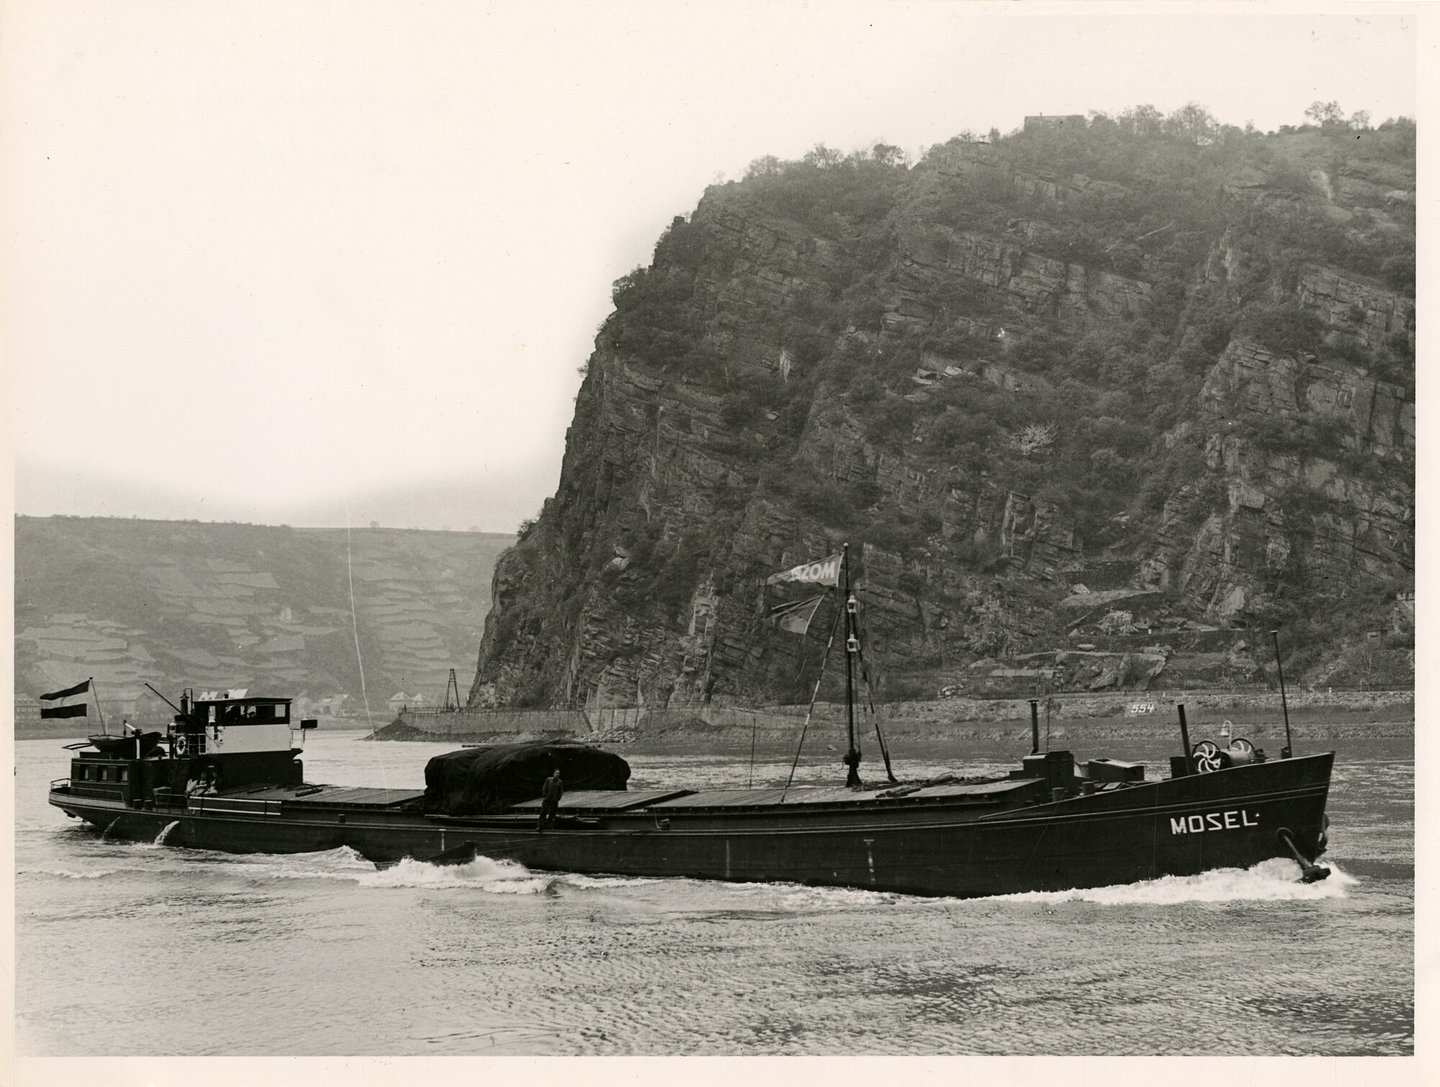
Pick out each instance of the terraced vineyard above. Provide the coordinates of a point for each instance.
(180, 604)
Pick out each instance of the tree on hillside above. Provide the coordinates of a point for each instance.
(1117, 622)
(764, 166)
(1192, 123)
(1143, 120)
(993, 631)
(823, 156)
(1033, 438)
(1325, 113)
(887, 154)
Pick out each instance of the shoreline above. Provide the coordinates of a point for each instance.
(1256, 715)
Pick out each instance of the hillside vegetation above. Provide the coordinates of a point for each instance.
(1096, 403)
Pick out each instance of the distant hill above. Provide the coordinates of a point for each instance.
(189, 604)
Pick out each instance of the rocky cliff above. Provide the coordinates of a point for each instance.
(1091, 409)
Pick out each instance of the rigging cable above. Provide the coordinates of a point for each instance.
(355, 631)
(813, 696)
(875, 716)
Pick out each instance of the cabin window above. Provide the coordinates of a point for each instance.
(104, 773)
(122, 774)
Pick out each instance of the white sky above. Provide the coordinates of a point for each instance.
(273, 261)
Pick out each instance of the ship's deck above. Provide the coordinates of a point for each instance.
(605, 801)
(586, 800)
(350, 796)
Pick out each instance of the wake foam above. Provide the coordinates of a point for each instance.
(1275, 880)
(346, 865)
(340, 863)
(575, 879)
(799, 897)
(67, 873)
(495, 877)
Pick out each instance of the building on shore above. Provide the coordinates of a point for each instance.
(27, 711)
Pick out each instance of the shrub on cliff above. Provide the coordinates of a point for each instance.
(655, 320)
(1286, 327)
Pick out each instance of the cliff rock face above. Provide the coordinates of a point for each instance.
(1055, 392)
(1346, 304)
(1278, 501)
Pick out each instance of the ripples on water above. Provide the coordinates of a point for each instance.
(323, 954)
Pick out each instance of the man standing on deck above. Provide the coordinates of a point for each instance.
(550, 796)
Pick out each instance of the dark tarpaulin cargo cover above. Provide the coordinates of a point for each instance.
(477, 780)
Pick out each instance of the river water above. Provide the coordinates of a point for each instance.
(141, 950)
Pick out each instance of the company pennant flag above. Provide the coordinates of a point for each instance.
(79, 688)
(796, 617)
(81, 710)
(823, 572)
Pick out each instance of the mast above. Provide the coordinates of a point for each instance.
(1275, 637)
(852, 646)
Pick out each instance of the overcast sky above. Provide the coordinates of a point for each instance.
(297, 262)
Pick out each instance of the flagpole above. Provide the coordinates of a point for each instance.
(96, 694)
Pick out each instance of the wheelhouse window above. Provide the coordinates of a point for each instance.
(252, 713)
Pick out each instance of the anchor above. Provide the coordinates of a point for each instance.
(1309, 871)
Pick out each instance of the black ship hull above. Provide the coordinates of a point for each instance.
(963, 840)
